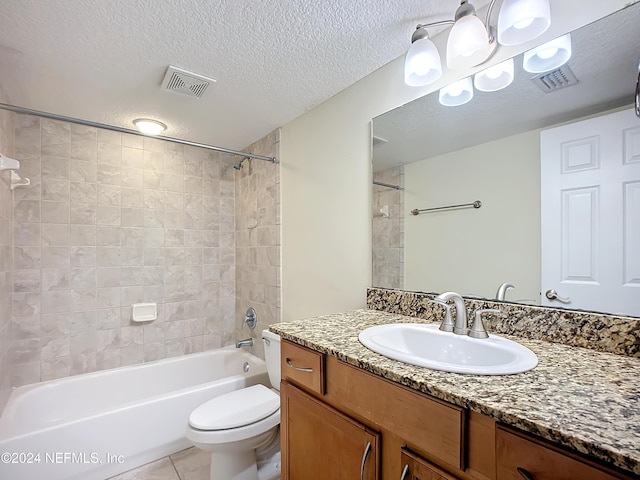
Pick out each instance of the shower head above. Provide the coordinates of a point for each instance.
(238, 166)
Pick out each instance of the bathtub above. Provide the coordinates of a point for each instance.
(96, 425)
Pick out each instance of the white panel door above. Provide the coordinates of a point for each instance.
(590, 180)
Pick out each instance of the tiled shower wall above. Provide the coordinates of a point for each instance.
(388, 229)
(258, 238)
(6, 259)
(110, 220)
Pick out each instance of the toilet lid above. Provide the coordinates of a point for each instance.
(235, 409)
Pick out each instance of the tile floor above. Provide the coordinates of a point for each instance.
(189, 464)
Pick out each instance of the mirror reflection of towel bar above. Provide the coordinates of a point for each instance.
(388, 185)
(476, 204)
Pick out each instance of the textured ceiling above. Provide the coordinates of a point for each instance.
(104, 60)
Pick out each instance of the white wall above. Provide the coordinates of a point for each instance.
(326, 179)
(476, 249)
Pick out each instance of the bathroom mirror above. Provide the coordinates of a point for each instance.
(487, 150)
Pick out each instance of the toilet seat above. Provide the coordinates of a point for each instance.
(255, 411)
(235, 409)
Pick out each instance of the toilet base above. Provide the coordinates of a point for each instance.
(234, 466)
(262, 463)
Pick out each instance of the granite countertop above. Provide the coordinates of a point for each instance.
(585, 400)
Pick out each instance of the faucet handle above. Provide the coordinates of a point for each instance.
(478, 330)
(447, 324)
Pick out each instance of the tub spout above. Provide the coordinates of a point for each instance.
(247, 342)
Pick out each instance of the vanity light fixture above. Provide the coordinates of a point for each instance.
(468, 44)
(422, 65)
(471, 42)
(522, 20)
(149, 126)
(456, 94)
(548, 56)
(495, 78)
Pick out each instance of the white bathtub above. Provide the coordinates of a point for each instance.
(96, 425)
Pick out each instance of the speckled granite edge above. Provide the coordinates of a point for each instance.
(579, 398)
(603, 333)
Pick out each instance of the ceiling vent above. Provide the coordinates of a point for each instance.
(555, 79)
(182, 81)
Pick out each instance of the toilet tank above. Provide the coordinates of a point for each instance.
(272, 356)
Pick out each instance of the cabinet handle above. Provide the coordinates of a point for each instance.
(300, 369)
(524, 474)
(405, 471)
(365, 455)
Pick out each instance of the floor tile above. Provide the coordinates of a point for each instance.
(159, 470)
(192, 464)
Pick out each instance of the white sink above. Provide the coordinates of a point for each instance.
(426, 346)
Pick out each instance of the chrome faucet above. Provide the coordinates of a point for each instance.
(502, 290)
(247, 342)
(460, 327)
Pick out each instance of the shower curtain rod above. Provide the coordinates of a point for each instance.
(88, 123)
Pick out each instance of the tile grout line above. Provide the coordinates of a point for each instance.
(175, 469)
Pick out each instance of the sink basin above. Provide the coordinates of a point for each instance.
(426, 346)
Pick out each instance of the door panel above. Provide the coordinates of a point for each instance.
(320, 443)
(590, 178)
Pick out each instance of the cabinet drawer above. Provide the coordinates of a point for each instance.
(518, 451)
(417, 468)
(303, 366)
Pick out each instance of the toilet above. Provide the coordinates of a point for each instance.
(241, 429)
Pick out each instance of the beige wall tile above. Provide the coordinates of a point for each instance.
(255, 261)
(117, 219)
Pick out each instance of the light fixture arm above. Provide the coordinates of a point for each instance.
(491, 30)
(465, 9)
(435, 24)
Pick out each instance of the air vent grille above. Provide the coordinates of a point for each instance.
(556, 79)
(185, 82)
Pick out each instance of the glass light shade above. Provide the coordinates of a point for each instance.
(422, 64)
(149, 126)
(520, 21)
(548, 56)
(495, 78)
(468, 43)
(457, 93)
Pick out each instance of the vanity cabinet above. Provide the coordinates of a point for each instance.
(342, 422)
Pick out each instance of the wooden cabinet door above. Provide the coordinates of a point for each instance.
(318, 442)
(417, 468)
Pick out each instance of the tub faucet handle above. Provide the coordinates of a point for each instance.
(251, 318)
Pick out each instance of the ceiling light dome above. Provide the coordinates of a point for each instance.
(149, 126)
(457, 93)
(422, 64)
(495, 78)
(468, 43)
(520, 21)
(548, 56)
